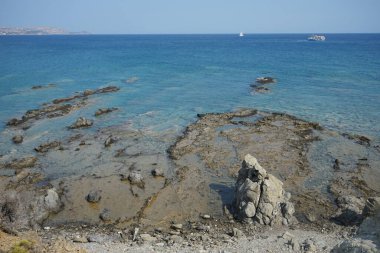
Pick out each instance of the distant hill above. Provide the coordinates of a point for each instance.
(42, 30)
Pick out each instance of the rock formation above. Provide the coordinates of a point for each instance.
(259, 196)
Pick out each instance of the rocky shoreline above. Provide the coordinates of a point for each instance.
(205, 193)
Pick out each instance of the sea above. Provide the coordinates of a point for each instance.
(172, 78)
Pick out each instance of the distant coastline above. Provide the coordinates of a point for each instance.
(42, 30)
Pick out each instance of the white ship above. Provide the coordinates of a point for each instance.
(241, 34)
(317, 38)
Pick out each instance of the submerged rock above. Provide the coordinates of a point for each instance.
(45, 147)
(259, 196)
(81, 122)
(17, 139)
(265, 80)
(38, 87)
(109, 141)
(26, 162)
(104, 111)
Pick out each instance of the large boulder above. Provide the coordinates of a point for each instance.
(259, 196)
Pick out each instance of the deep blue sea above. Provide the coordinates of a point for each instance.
(335, 82)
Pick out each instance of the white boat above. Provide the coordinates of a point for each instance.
(316, 38)
(241, 34)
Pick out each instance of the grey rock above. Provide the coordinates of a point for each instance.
(355, 246)
(176, 226)
(259, 196)
(93, 196)
(265, 80)
(45, 147)
(237, 233)
(81, 122)
(309, 246)
(109, 141)
(105, 215)
(372, 207)
(136, 178)
(176, 238)
(25, 162)
(350, 210)
(17, 139)
(104, 111)
(80, 239)
(157, 172)
(148, 238)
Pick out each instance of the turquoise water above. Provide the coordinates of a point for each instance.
(336, 82)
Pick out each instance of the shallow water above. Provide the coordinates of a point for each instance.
(336, 82)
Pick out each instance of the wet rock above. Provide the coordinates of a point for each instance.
(136, 178)
(102, 111)
(81, 122)
(17, 139)
(45, 205)
(14, 122)
(132, 79)
(45, 147)
(38, 87)
(350, 210)
(265, 80)
(105, 215)
(47, 111)
(157, 172)
(261, 89)
(52, 201)
(94, 196)
(88, 93)
(355, 246)
(259, 196)
(109, 141)
(336, 164)
(26, 162)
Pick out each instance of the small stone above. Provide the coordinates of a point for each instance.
(147, 238)
(80, 239)
(136, 178)
(157, 172)
(105, 215)
(287, 236)
(109, 141)
(237, 233)
(174, 232)
(81, 122)
(135, 233)
(93, 196)
(309, 246)
(176, 238)
(17, 139)
(206, 216)
(160, 244)
(177, 226)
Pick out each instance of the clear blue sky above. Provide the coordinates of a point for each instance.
(195, 16)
